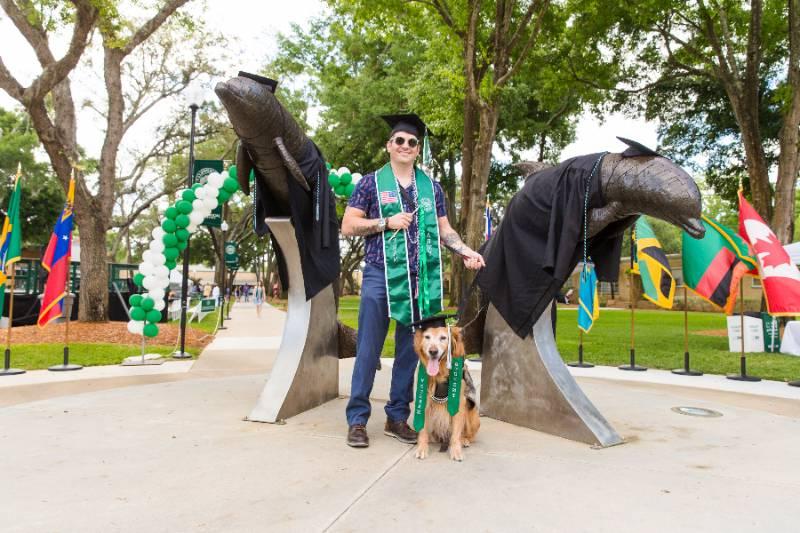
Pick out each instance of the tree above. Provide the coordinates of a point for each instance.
(52, 108)
(42, 197)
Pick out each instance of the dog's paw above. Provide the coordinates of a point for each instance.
(422, 452)
(456, 454)
(466, 443)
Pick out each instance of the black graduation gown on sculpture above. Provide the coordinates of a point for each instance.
(540, 242)
(313, 216)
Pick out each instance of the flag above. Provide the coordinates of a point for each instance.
(779, 277)
(56, 261)
(652, 265)
(714, 265)
(588, 302)
(10, 238)
(488, 217)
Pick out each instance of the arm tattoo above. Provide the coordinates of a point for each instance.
(367, 229)
(453, 242)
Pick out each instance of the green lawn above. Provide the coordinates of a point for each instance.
(659, 342)
(39, 356)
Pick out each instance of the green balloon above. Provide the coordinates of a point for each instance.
(232, 171)
(169, 240)
(153, 315)
(182, 235)
(230, 185)
(184, 207)
(349, 188)
(150, 330)
(171, 212)
(169, 226)
(333, 179)
(181, 246)
(340, 189)
(135, 300)
(137, 313)
(171, 264)
(328, 166)
(171, 253)
(147, 303)
(346, 178)
(223, 196)
(182, 221)
(188, 195)
(138, 279)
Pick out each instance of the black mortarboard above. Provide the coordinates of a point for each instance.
(269, 82)
(438, 321)
(409, 123)
(637, 149)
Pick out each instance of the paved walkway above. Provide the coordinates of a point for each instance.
(176, 456)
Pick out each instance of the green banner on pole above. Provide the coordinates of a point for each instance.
(202, 168)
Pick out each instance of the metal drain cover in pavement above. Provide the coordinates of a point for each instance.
(697, 411)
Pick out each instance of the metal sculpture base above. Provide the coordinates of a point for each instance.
(306, 370)
(525, 382)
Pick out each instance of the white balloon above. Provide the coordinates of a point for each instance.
(159, 305)
(146, 268)
(216, 180)
(176, 276)
(356, 177)
(158, 233)
(161, 271)
(196, 205)
(200, 192)
(156, 294)
(210, 202)
(156, 247)
(196, 218)
(150, 282)
(157, 259)
(191, 227)
(212, 192)
(146, 255)
(342, 170)
(136, 327)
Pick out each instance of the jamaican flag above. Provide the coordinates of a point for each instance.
(714, 265)
(652, 265)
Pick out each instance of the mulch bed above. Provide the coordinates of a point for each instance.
(104, 332)
(712, 332)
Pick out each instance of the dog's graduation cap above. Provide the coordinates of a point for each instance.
(637, 149)
(439, 321)
(269, 82)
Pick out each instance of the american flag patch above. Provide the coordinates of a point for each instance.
(388, 197)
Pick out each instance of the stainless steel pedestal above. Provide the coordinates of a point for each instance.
(525, 382)
(306, 370)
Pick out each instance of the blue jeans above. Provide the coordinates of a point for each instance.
(373, 325)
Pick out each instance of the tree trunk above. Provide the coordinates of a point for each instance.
(94, 270)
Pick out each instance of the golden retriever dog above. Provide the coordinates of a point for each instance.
(456, 432)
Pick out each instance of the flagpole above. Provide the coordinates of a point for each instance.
(7, 370)
(686, 370)
(632, 366)
(742, 358)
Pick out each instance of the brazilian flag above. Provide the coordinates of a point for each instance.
(10, 239)
(588, 302)
(652, 265)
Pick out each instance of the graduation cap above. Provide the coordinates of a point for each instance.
(269, 82)
(637, 149)
(411, 123)
(438, 321)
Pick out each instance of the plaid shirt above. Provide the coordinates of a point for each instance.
(365, 198)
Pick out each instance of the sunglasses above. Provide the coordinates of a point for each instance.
(400, 141)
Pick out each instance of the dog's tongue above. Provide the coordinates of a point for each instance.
(433, 367)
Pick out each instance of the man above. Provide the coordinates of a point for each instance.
(401, 213)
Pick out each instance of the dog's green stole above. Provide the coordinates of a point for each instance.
(395, 253)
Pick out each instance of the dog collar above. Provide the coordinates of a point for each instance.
(439, 394)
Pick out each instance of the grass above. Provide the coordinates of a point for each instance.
(39, 356)
(659, 342)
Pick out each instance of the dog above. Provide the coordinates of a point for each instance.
(453, 432)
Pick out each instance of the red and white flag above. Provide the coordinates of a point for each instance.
(779, 276)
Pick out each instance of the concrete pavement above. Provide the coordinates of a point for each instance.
(177, 456)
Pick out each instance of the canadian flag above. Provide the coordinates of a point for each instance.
(779, 276)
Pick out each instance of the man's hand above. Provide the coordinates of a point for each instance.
(399, 221)
(472, 260)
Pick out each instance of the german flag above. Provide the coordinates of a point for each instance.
(714, 265)
(652, 265)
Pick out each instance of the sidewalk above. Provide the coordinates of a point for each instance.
(177, 456)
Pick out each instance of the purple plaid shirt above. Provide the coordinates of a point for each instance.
(365, 198)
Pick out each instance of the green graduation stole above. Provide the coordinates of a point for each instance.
(421, 398)
(395, 252)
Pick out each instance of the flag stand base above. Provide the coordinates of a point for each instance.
(7, 371)
(580, 363)
(686, 371)
(64, 368)
(742, 376)
(633, 367)
(794, 383)
(181, 355)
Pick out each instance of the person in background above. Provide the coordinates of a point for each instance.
(258, 298)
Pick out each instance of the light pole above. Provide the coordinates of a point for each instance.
(194, 100)
(224, 228)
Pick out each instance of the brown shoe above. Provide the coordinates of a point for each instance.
(357, 436)
(400, 431)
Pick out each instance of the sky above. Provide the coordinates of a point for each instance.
(252, 27)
